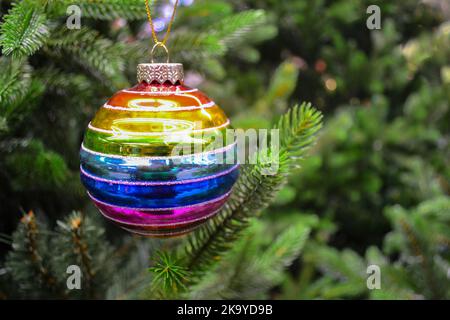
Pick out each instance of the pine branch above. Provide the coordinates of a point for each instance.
(220, 37)
(81, 242)
(271, 263)
(130, 278)
(66, 83)
(80, 246)
(33, 167)
(102, 9)
(232, 30)
(253, 254)
(23, 31)
(14, 80)
(254, 190)
(284, 250)
(281, 87)
(28, 261)
(420, 232)
(419, 250)
(344, 273)
(19, 109)
(195, 46)
(99, 56)
(170, 276)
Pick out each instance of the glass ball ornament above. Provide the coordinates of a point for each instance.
(150, 160)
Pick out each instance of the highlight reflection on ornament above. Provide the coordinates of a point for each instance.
(128, 160)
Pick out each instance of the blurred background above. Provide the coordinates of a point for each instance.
(374, 189)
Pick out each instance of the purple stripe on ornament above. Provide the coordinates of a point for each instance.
(157, 210)
(159, 225)
(160, 217)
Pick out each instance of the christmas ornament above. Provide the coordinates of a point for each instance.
(150, 159)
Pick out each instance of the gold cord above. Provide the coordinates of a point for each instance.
(169, 27)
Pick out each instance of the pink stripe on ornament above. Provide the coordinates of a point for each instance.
(161, 217)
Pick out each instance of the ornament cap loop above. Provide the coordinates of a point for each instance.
(160, 72)
(162, 45)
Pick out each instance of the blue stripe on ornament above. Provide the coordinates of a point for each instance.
(164, 195)
(156, 169)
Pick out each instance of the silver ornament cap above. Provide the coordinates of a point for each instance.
(160, 72)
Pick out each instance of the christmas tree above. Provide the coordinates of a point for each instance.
(373, 191)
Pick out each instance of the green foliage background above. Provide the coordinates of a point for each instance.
(374, 189)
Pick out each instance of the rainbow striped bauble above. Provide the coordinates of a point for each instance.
(150, 159)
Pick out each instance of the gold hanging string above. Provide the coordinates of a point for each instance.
(169, 27)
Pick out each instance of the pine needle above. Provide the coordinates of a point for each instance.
(23, 31)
